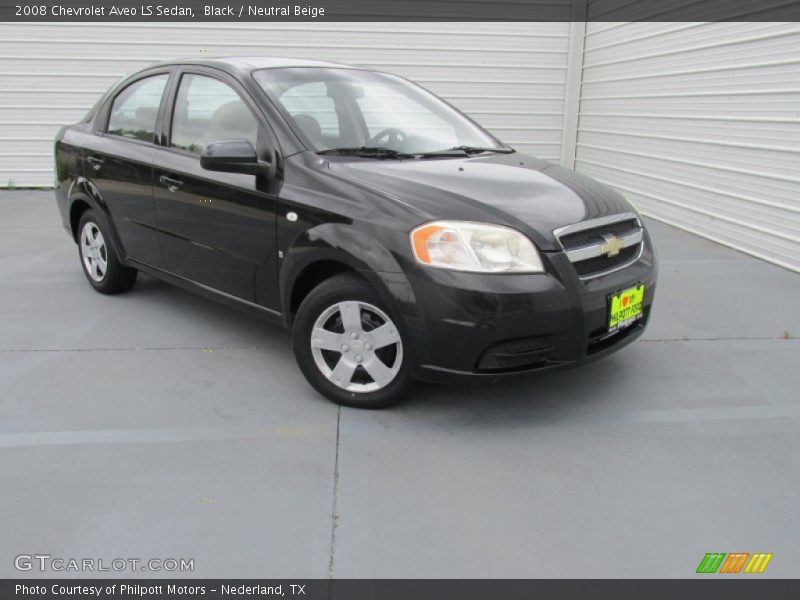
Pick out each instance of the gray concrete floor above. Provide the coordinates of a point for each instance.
(160, 424)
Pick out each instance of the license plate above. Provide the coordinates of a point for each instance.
(626, 308)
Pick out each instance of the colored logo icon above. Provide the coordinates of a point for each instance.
(736, 562)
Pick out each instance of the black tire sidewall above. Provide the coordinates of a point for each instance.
(339, 289)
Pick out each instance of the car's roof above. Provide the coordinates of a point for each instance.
(250, 63)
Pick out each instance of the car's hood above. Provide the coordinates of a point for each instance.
(529, 194)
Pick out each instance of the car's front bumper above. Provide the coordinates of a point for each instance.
(498, 325)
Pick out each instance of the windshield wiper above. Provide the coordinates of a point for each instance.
(382, 152)
(477, 150)
(368, 151)
(463, 151)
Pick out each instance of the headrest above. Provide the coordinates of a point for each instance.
(310, 126)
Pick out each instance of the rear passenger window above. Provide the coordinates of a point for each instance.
(135, 109)
(208, 110)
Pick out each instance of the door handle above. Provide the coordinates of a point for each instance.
(96, 162)
(173, 185)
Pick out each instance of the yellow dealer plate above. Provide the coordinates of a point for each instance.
(627, 307)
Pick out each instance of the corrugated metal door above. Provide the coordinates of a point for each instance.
(510, 77)
(699, 124)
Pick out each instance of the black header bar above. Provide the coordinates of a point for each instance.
(399, 10)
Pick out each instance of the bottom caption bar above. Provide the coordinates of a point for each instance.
(402, 589)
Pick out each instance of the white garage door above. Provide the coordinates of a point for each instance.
(509, 77)
(699, 124)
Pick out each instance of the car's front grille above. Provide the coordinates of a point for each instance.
(587, 237)
(602, 245)
(600, 264)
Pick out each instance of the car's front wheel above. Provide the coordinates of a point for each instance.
(348, 346)
(99, 259)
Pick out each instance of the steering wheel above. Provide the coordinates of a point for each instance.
(393, 138)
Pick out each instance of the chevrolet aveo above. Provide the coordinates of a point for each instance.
(395, 237)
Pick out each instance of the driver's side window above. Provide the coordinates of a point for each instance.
(383, 108)
(208, 110)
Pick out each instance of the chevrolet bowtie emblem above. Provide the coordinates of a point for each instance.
(612, 245)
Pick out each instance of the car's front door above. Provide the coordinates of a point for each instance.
(117, 164)
(216, 229)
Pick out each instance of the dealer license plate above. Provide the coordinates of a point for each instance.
(626, 307)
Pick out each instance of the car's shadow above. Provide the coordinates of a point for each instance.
(519, 401)
(576, 395)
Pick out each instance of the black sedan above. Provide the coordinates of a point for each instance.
(392, 234)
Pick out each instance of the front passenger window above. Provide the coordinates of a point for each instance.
(135, 109)
(208, 110)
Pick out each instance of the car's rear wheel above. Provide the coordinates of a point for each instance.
(99, 259)
(348, 346)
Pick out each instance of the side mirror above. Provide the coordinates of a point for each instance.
(235, 156)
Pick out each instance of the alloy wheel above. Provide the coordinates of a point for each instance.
(94, 252)
(356, 346)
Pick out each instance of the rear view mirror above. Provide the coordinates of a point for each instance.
(236, 156)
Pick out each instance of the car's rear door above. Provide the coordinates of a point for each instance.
(118, 162)
(216, 229)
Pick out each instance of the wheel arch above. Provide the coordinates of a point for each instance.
(85, 196)
(333, 248)
(76, 210)
(311, 276)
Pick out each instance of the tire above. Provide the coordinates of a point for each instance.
(337, 341)
(99, 259)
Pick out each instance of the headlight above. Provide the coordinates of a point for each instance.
(479, 247)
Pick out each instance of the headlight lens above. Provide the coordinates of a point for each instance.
(478, 247)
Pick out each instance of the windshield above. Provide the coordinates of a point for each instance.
(354, 110)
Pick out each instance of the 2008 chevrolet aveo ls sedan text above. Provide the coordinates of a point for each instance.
(393, 235)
